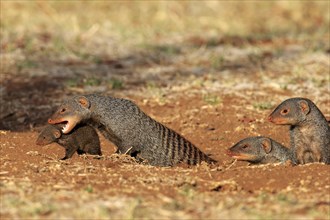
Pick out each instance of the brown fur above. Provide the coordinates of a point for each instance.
(309, 130)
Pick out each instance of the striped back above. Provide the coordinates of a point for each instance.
(177, 149)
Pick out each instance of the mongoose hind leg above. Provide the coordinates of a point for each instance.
(316, 154)
(69, 152)
(308, 157)
(93, 149)
(80, 152)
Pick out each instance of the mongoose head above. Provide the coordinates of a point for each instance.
(252, 149)
(71, 112)
(291, 112)
(49, 135)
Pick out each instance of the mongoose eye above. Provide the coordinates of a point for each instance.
(63, 110)
(284, 111)
(245, 146)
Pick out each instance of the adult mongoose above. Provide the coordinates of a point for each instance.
(135, 133)
(260, 150)
(82, 139)
(309, 130)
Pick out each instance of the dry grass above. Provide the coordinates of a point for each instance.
(67, 27)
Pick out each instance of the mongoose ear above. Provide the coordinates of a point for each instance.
(57, 133)
(267, 145)
(304, 106)
(84, 102)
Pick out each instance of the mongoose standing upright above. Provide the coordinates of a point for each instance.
(130, 129)
(260, 150)
(82, 139)
(309, 130)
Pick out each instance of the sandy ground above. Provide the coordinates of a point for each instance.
(32, 176)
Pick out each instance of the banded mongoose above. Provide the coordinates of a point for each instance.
(82, 139)
(309, 130)
(260, 150)
(123, 123)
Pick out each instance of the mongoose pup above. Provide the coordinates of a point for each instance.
(260, 150)
(309, 130)
(82, 139)
(130, 129)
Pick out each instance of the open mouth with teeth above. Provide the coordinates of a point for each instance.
(67, 127)
(67, 123)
